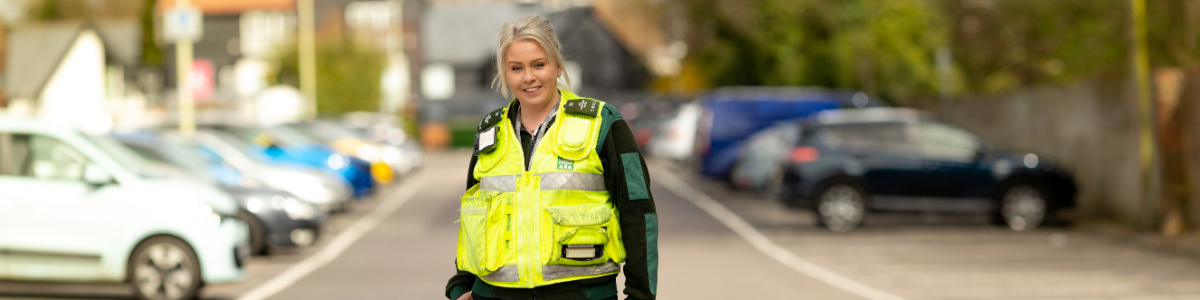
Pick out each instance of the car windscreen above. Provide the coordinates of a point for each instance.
(122, 155)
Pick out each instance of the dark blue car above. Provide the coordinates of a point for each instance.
(845, 163)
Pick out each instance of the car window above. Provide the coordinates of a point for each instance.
(942, 141)
(882, 137)
(119, 153)
(46, 158)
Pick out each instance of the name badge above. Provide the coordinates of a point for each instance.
(485, 141)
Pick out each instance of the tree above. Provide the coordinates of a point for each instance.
(884, 47)
(348, 74)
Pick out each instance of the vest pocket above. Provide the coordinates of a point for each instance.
(580, 234)
(473, 235)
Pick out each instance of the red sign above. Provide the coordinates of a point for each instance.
(201, 79)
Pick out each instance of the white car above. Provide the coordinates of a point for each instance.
(678, 134)
(79, 208)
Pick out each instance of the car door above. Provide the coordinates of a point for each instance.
(58, 226)
(960, 179)
(892, 167)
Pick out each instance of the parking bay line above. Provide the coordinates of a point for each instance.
(339, 244)
(765, 245)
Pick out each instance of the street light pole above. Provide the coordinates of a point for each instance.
(1141, 70)
(308, 60)
(183, 91)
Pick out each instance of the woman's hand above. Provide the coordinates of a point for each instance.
(466, 296)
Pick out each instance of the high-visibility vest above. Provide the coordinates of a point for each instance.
(553, 223)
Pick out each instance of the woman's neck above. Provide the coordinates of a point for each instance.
(532, 116)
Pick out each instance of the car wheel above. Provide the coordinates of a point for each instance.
(841, 207)
(258, 235)
(777, 191)
(1023, 207)
(164, 267)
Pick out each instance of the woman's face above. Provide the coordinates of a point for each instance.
(532, 77)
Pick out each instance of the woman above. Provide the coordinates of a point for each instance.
(557, 193)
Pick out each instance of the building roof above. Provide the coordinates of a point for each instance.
(34, 52)
(466, 34)
(36, 49)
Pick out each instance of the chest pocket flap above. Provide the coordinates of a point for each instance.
(578, 128)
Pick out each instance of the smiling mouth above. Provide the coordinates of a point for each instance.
(532, 89)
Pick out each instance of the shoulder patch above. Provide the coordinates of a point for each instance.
(491, 119)
(583, 106)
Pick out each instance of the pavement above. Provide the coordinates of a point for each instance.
(716, 244)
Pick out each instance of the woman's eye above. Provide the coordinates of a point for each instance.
(539, 65)
(516, 69)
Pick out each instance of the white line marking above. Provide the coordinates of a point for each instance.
(339, 244)
(765, 245)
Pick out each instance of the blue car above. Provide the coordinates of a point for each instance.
(734, 113)
(845, 163)
(294, 149)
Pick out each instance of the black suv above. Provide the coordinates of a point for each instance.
(845, 163)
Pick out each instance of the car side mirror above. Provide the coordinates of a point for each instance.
(94, 176)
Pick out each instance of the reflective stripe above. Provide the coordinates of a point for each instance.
(499, 183)
(552, 272)
(504, 274)
(572, 181)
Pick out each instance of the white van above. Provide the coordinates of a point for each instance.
(80, 208)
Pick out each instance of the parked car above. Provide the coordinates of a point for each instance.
(388, 130)
(675, 137)
(283, 147)
(384, 159)
(845, 163)
(731, 114)
(276, 218)
(324, 188)
(80, 208)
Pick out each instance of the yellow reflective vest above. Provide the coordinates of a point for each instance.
(553, 223)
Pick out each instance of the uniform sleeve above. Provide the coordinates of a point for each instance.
(461, 282)
(628, 183)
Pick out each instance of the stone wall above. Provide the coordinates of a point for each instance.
(1090, 128)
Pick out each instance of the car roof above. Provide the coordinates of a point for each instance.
(871, 115)
(34, 125)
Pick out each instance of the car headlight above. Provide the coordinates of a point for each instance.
(295, 209)
(391, 155)
(367, 152)
(254, 204)
(336, 161)
(209, 215)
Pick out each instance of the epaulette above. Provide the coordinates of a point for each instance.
(491, 119)
(583, 106)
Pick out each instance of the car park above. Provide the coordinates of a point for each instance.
(387, 130)
(276, 218)
(288, 149)
(384, 159)
(81, 208)
(844, 164)
(731, 114)
(327, 191)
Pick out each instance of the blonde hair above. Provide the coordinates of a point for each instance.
(531, 28)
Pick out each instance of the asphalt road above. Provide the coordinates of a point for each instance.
(716, 244)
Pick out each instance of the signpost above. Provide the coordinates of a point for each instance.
(183, 24)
